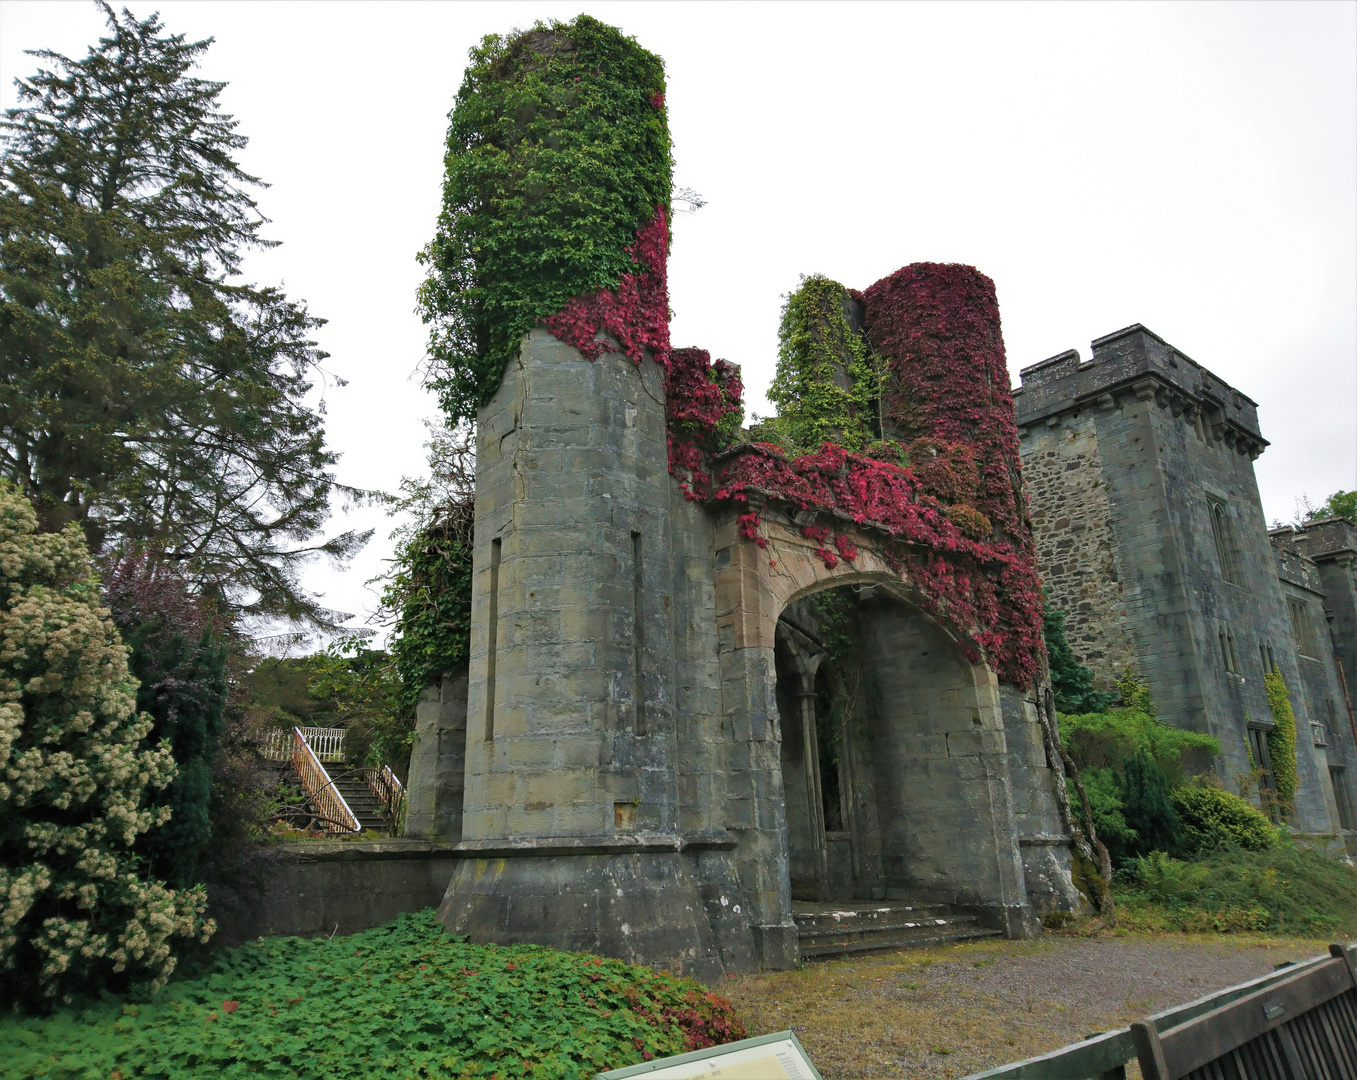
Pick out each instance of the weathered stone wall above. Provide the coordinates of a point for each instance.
(339, 887)
(1076, 545)
(1332, 545)
(438, 762)
(1042, 840)
(941, 772)
(1175, 441)
(1315, 640)
(572, 745)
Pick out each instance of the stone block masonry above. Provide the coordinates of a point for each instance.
(1076, 545)
(1151, 536)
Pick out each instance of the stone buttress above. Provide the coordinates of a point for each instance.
(570, 829)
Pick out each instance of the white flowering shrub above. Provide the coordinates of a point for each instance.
(74, 914)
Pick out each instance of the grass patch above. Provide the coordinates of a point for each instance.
(1290, 889)
(402, 1000)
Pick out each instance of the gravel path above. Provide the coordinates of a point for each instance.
(952, 1011)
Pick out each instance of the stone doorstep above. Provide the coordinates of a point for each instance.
(850, 948)
(828, 916)
(913, 928)
(826, 930)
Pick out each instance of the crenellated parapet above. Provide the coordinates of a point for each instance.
(1137, 364)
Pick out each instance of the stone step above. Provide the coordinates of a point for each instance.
(825, 949)
(830, 916)
(829, 929)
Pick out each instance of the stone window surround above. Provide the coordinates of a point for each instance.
(1222, 531)
(1229, 652)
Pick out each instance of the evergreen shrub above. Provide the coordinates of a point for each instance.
(1108, 739)
(1147, 806)
(178, 659)
(1212, 817)
(1072, 682)
(76, 911)
(402, 1000)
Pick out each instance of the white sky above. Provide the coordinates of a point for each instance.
(1192, 167)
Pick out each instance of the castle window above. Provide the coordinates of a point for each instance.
(1228, 653)
(1266, 658)
(1261, 760)
(1338, 776)
(1226, 550)
(1302, 626)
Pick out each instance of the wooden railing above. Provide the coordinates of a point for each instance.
(1104, 1057)
(390, 794)
(331, 809)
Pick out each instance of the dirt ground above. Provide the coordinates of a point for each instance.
(952, 1011)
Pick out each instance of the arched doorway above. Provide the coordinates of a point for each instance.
(892, 756)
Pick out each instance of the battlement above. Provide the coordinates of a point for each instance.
(1137, 363)
(1326, 538)
(1293, 565)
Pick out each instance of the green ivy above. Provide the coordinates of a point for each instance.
(827, 387)
(1281, 740)
(431, 590)
(557, 153)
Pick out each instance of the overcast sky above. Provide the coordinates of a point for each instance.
(1192, 167)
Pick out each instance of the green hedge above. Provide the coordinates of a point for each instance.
(403, 1000)
(1212, 817)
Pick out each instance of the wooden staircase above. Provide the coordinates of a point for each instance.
(828, 929)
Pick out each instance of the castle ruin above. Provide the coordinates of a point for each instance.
(715, 690)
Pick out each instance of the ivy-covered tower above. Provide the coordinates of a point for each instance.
(556, 229)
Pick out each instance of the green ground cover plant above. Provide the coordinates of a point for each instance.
(401, 1000)
(1289, 888)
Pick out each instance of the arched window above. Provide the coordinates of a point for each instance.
(1226, 550)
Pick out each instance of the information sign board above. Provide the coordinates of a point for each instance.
(779, 1056)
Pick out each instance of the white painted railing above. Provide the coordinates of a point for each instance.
(390, 794)
(326, 742)
(331, 808)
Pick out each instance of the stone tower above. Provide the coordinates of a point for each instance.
(570, 716)
(1151, 537)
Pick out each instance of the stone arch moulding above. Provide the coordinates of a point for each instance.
(965, 838)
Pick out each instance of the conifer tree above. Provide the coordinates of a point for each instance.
(1071, 680)
(147, 392)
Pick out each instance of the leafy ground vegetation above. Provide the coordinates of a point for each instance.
(403, 1000)
(1189, 854)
